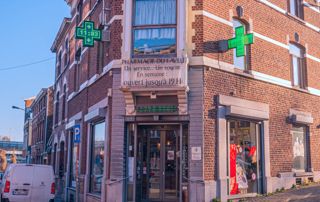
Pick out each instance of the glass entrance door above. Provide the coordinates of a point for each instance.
(157, 168)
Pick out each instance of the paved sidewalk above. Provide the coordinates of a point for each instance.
(305, 194)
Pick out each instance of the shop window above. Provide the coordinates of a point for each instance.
(61, 160)
(154, 27)
(54, 157)
(299, 145)
(296, 8)
(240, 62)
(298, 66)
(97, 157)
(244, 161)
(74, 165)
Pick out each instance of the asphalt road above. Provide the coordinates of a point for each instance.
(305, 194)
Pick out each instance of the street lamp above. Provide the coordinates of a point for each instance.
(19, 108)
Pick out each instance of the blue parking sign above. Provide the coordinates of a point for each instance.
(76, 134)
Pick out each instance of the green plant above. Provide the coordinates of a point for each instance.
(215, 200)
(293, 186)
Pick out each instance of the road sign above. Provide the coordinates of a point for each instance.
(240, 41)
(77, 134)
(88, 34)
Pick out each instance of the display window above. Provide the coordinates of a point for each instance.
(299, 145)
(244, 162)
(97, 157)
(74, 161)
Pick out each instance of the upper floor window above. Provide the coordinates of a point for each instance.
(64, 102)
(298, 66)
(296, 8)
(59, 64)
(79, 12)
(56, 119)
(67, 49)
(240, 62)
(154, 27)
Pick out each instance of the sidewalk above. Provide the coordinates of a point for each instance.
(305, 194)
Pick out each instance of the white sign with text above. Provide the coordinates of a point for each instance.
(154, 73)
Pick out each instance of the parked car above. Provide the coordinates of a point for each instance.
(28, 183)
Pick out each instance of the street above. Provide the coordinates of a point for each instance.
(305, 194)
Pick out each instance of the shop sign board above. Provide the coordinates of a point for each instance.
(157, 109)
(154, 73)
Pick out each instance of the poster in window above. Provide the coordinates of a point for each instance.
(170, 155)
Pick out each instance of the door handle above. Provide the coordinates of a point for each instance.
(26, 184)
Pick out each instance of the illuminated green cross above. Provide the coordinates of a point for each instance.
(240, 41)
(88, 34)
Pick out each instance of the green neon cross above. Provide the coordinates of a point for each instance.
(88, 34)
(240, 41)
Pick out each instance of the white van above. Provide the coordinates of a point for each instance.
(28, 183)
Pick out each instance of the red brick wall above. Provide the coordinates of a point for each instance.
(280, 100)
(88, 67)
(266, 57)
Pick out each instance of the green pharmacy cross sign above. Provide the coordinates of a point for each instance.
(88, 34)
(240, 41)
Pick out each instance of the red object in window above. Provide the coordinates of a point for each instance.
(53, 188)
(233, 172)
(252, 150)
(7, 187)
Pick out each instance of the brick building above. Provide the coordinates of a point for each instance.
(27, 129)
(42, 113)
(166, 112)
(59, 144)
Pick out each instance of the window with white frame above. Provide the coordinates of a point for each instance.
(240, 62)
(298, 66)
(97, 157)
(154, 27)
(296, 8)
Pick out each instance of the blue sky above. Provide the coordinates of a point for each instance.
(27, 31)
